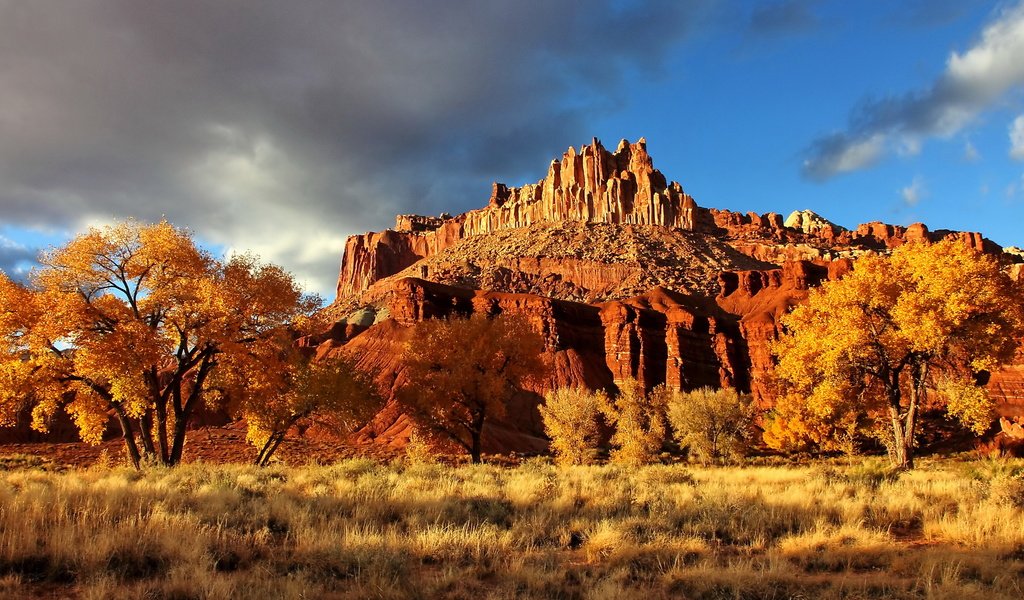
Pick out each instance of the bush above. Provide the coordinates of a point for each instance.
(571, 421)
(713, 424)
(639, 420)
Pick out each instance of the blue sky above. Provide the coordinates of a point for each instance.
(282, 128)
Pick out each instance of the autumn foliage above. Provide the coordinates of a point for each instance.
(640, 425)
(868, 351)
(712, 423)
(572, 420)
(460, 373)
(135, 321)
(279, 388)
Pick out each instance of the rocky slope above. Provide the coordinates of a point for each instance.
(620, 270)
(620, 189)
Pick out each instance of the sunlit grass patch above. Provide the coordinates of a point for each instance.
(364, 529)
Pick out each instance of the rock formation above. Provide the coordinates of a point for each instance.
(618, 268)
(593, 185)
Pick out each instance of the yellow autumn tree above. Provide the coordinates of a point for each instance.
(130, 321)
(276, 387)
(570, 418)
(639, 420)
(870, 345)
(712, 423)
(460, 373)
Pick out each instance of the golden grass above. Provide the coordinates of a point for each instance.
(359, 529)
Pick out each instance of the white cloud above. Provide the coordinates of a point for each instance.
(971, 153)
(1017, 138)
(972, 82)
(909, 146)
(1014, 187)
(913, 193)
(846, 157)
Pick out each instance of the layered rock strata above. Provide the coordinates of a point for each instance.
(593, 185)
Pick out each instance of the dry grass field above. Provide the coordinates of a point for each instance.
(361, 529)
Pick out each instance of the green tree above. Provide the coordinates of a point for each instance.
(714, 424)
(459, 373)
(872, 343)
(571, 419)
(639, 420)
(132, 320)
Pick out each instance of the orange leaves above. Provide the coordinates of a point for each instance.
(462, 371)
(132, 318)
(873, 342)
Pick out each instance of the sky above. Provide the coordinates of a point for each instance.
(281, 128)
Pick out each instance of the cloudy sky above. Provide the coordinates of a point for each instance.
(283, 127)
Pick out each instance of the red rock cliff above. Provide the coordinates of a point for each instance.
(589, 185)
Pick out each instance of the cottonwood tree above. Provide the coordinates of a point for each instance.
(712, 423)
(639, 420)
(871, 344)
(459, 373)
(131, 320)
(571, 419)
(277, 387)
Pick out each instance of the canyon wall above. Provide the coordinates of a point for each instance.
(593, 185)
(589, 185)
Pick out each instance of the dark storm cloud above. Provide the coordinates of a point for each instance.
(282, 126)
(971, 83)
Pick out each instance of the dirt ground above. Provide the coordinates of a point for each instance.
(217, 445)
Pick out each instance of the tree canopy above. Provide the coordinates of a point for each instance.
(571, 419)
(640, 423)
(865, 350)
(459, 373)
(132, 320)
(295, 390)
(712, 423)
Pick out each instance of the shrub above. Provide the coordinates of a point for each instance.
(571, 421)
(712, 423)
(639, 420)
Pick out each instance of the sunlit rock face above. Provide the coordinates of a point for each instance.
(620, 271)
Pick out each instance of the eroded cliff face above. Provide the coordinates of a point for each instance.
(594, 186)
(620, 271)
(591, 185)
(659, 337)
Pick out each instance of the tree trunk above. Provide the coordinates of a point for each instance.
(161, 431)
(475, 451)
(177, 441)
(901, 456)
(146, 433)
(129, 437)
(268, 450)
(183, 413)
(476, 432)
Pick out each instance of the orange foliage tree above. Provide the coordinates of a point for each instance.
(132, 320)
(461, 372)
(277, 389)
(868, 347)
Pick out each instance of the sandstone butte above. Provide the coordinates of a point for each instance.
(622, 273)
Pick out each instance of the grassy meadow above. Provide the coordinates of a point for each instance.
(363, 529)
